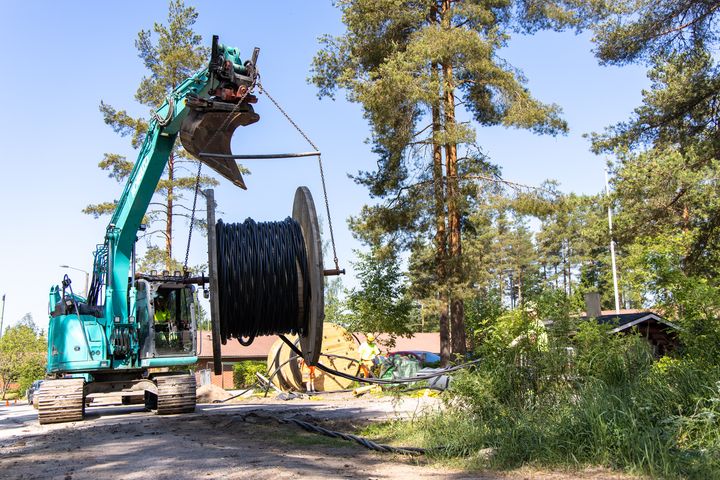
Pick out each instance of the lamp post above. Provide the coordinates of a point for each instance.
(612, 247)
(2, 315)
(87, 277)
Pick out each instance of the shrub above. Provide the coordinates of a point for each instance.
(607, 404)
(244, 373)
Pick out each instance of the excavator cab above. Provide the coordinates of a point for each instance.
(173, 321)
(208, 128)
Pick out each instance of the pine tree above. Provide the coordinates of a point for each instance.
(411, 65)
(171, 52)
(23, 350)
(668, 151)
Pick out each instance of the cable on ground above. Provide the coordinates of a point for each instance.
(378, 447)
(380, 381)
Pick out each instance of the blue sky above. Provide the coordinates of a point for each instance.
(60, 59)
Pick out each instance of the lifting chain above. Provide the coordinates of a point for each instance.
(224, 125)
(263, 90)
(192, 219)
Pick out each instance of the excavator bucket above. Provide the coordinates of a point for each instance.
(207, 131)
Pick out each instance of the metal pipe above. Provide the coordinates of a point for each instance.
(612, 247)
(260, 156)
(333, 272)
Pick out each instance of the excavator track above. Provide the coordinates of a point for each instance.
(61, 400)
(176, 394)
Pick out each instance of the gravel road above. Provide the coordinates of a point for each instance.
(233, 441)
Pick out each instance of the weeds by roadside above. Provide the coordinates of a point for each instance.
(583, 399)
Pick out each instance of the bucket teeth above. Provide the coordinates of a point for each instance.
(208, 130)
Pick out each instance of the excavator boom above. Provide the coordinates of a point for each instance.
(210, 124)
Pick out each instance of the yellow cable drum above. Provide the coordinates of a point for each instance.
(339, 351)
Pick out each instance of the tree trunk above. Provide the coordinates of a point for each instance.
(563, 252)
(457, 309)
(168, 225)
(520, 287)
(445, 351)
(440, 236)
(570, 280)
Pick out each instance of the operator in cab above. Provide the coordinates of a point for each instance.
(162, 312)
(164, 336)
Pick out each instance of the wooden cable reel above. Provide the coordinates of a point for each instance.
(305, 214)
(309, 303)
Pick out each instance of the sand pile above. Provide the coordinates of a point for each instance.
(209, 393)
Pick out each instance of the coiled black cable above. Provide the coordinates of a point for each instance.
(262, 279)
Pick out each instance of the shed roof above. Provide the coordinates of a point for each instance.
(625, 320)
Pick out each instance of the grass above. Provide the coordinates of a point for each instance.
(611, 405)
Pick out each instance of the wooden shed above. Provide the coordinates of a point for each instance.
(660, 333)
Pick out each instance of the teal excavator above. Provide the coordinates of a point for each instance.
(120, 339)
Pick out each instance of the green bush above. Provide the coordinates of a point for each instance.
(244, 373)
(608, 403)
(23, 351)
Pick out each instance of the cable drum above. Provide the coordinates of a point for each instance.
(270, 278)
(262, 275)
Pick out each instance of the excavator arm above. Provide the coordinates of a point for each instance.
(204, 110)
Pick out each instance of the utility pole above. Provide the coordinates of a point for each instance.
(2, 315)
(612, 246)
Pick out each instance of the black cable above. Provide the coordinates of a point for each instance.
(379, 381)
(378, 447)
(276, 371)
(313, 428)
(294, 357)
(236, 395)
(263, 281)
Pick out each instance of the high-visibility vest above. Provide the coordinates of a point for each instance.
(368, 351)
(162, 316)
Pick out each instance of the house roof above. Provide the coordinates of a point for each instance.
(429, 342)
(258, 349)
(426, 342)
(628, 319)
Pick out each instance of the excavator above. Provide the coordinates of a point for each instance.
(135, 332)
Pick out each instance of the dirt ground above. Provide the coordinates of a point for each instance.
(234, 441)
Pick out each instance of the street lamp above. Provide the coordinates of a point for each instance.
(87, 277)
(2, 315)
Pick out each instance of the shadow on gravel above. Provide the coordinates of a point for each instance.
(235, 441)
